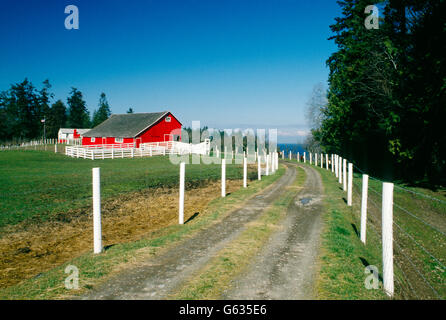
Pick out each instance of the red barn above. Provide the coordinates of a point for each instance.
(134, 128)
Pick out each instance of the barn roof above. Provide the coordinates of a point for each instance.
(71, 130)
(127, 125)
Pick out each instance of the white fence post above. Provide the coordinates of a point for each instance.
(322, 160)
(387, 237)
(332, 163)
(291, 155)
(326, 161)
(97, 229)
(223, 177)
(344, 175)
(336, 165)
(245, 172)
(310, 158)
(305, 157)
(259, 169)
(350, 184)
(267, 164)
(181, 207)
(273, 161)
(298, 157)
(365, 188)
(340, 170)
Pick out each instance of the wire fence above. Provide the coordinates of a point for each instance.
(419, 238)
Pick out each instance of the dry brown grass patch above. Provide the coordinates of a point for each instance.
(27, 250)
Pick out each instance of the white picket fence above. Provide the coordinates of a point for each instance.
(127, 150)
(27, 145)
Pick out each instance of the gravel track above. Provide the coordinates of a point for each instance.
(160, 275)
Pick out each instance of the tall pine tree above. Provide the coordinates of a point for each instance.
(103, 112)
(78, 115)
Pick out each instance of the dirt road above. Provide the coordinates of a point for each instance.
(160, 275)
(285, 268)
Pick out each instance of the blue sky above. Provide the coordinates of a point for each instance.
(232, 63)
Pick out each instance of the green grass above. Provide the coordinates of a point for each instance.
(94, 269)
(344, 257)
(419, 238)
(37, 185)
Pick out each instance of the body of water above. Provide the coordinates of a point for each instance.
(293, 147)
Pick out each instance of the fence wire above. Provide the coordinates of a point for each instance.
(374, 214)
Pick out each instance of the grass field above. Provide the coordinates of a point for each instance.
(45, 208)
(39, 185)
(123, 254)
(419, 248)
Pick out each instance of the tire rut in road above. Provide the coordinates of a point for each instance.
(285, 268)
(158, 276)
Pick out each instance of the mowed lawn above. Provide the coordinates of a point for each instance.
(38, 185)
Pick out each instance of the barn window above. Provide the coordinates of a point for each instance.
(93, 139)
(168, 119)
(118, 140)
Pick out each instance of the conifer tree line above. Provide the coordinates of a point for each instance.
(23, 107)
(386, 101)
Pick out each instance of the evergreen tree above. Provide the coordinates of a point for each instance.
(103, 112)
(387, 92)
(78, 115)
(56, 119)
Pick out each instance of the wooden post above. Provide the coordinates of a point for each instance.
(350, 184)
(267, 164)
(97, 232)
(223, 177)
(305, 157)
(245, 172)
(387, 237)
(344, 175)
(340, 169)
(181, 204)
(259, 169)
(365, 187)
(326, 161)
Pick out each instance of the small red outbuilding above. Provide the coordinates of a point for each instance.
(134, 128)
